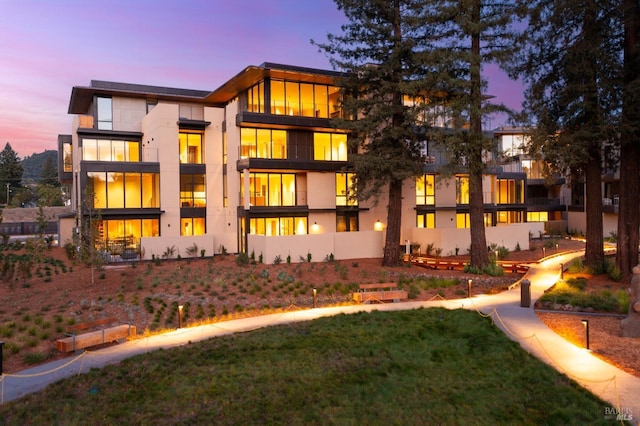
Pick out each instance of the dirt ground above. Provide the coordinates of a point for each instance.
(35, 312)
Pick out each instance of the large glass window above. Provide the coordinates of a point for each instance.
(273, 226)
(255, 98)
(191, 149)
(117, 235)
(190, 226)
(345, 189)
(304, 99)
(510, 191)
(105, 113)
(426, 190)
(462, 190)
(113, 190)
(193, 190)
(263, 143)
(537, 216)
(462, 220)
(271, 189)
(510, 216)
(330, 146)
(110, 150)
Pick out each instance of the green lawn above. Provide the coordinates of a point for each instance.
(426, 366)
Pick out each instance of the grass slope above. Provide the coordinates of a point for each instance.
(426, 366)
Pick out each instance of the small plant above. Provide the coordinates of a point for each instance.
(242, 259)
(192, 250)
(289, 259)
(329, 258)
(202, 252)
(277, 260)
(223, 250)
(169, 252)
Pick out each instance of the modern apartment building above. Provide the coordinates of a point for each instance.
(253, 166)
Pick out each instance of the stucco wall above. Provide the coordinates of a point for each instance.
(448, 240)
(343, 245)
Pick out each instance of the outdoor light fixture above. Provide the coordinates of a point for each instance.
(378, 226)
(562, 271)
(586, 326)
(315, 298)
(180, 316)
(544, 252)
(557, 248)
(469, 288)
(314, 227)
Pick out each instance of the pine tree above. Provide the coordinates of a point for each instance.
(379, 51)
(10, 170)
(628, 220)
(570, 63)
(469, 34)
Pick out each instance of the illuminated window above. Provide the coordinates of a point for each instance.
(105, 113)
(193, 190)
(345, 189)
(114, 190)
(303, 99)
(426, 190)
(190, 226)
(347, 221)
(274, 226)
(67, 157)
(426, 220)
(110, 150)
(537, 216)
(271, 189)
(263, 143)
(462, 220)
(462, 190)
(509, 217)
(510, 191)
(330, 146)
(255, 98)
(117, 235)
(191, 148)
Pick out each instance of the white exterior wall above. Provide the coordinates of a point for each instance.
(222, 222)
(128, 114)
(343, 245)
(448, 240)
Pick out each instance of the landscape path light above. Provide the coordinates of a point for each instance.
(180, 316)
(586, 326)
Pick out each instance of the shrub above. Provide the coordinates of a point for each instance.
(493, 270)
(242, 259)
(277, 260)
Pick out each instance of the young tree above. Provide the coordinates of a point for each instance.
(628, 220)
(570, 63)
(10, 170)
(380, 52)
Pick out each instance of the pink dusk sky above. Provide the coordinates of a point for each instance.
(49, 46)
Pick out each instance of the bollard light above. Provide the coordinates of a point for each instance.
(544, 252)
(315, 298)
(180, 316)
(586, 326)
(469, 288)
(562, 271)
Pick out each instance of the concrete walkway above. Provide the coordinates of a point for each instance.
(521, 324)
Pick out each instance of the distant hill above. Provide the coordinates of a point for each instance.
(33, 165)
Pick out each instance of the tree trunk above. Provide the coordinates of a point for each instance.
(479, 253)
(394, 218)
(594, 250)
(628, 220)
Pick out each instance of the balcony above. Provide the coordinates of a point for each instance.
(611, 205)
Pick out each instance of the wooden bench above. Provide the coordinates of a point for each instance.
(379, 292)
(92, 333)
